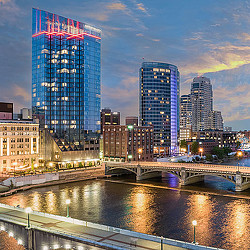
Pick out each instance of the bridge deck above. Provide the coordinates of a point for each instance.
(187, 166)
(101, 235)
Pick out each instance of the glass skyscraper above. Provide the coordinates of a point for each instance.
(159, 104)
(66, 77)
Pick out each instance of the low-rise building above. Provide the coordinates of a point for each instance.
(224, 138)
(19, 145)
(124, 143)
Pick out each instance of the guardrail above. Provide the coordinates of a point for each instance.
(133, 234)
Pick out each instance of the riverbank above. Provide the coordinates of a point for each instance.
(66, 177)
(182, 189)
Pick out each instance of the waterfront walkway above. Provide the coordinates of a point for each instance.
(91, 233)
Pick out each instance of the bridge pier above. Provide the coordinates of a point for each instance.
(187, 179)
(140, 176)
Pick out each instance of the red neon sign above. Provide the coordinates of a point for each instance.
(81, 35)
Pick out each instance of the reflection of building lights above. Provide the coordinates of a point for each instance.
(67, 246)
(11, 234)
(80, 248)
(45, 248)
(19, 242)
(2, 228)
(56, 246)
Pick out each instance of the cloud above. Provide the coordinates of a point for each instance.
(9, 12)
(234, 102)
(140, 6)
(139, 34)
(219, 58)
(116, 6)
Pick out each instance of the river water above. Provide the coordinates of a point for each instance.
(151, 207)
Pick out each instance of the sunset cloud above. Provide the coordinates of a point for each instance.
(116, 6)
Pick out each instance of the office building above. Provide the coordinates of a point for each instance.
(25, 114)
(128, 143)
(6, 111)
(185, 117)
(202, 103)
(19, 145)
(109, 118)
(66, 79)
(216, 120)
(131, 120)
(227, 129)
(159, 104)
(186, 111)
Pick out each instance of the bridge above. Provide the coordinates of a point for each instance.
(187, 173)
(48, 231)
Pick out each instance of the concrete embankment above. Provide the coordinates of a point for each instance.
(48, 179)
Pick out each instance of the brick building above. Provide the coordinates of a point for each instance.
(123, 143)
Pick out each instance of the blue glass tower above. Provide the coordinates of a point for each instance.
(66, 77)
(159, 104)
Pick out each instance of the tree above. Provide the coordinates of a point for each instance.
(219, 152)
(209, 157)
(195, 147)
(227, 150)
(183, 144)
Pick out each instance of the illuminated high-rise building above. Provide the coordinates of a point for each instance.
(66, 78)
(202, 103)
(159, 104)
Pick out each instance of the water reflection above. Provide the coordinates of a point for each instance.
(236, 225)
(142, 211)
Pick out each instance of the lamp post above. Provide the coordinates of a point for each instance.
(67, 203)
(28, 210)
(201, 151)
(239, 154)
(194, 222)
(139, 154)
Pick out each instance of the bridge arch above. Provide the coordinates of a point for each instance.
(196, 177)
(121, 168)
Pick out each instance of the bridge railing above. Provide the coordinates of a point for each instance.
(180, 165)
(132, 234)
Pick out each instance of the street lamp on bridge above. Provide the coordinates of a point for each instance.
(239, 154)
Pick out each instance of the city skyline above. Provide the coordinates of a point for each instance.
(210, 39)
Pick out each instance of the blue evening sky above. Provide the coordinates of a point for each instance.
(201, 37)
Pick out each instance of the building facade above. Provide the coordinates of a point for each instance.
(159, 104)
(109, 118)
(223, 138)
(125, 143)
(19, 145)
(131, 120)
(66, 78)
(6, 111)
(216, 120)
(202, 103)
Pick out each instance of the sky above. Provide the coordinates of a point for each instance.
(201, 37)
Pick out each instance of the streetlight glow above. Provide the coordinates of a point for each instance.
(194, 222)
(68, 201)
(19, 242)
(28, 210)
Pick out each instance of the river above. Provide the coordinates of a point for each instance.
(151, 207)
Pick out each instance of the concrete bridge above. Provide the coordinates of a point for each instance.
(187, 173)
